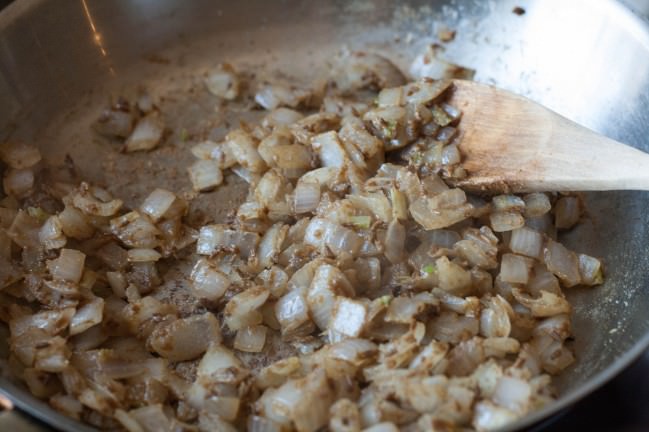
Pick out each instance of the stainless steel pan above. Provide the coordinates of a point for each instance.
(589, 60)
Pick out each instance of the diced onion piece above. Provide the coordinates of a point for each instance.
(274, 96)
(19, 155)
(395, 239)
(562, 262)
(88, 315)
(205, 175)
(251, 339)
(135, 230)
(330, 150)
(382, 427)
(548, 304)
(147, 133)
(281, 117)
(163, 204)
(590, 269)
(74, 224)
(536, 204)
(208, 282)
(86, 200)
(128, 422)
(271, 244)
(348, 317)
(51, 234)
(68, 266)
(376, 203)
(143, 255)
(428, 212)
(495, 318)
(515, 268)
(18, 182)
(204, 149)
(223, 82)
(525, 241)
(489, 416)
(508, 203)
(216, 238)
(566, 212)
(358, 70)
(151, 418)
(502, 221)
(452, 277)
(328, 282)
(221, 365)
(242, 309)
(307, 197)
(292, 312)
(117, 282)
(244, 150)
(187, 338)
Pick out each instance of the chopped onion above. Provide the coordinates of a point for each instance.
(147, 133)
(68, 266)
(18, 182)
(274, 96)
(506, 221)
(162, 204)
(74, 224)
(566, 212)
(187, 338)
(143, 255)
(330, 150)
(348, 317)
(452, 277)
(223, 82)
(590, 270)
(292, 312)
(19, 155)
(215, 238)
(495, 318)
(251, 339)
(548, 304)
(270, 244)
(307, 197)
(281, 117)
(244, 150)
(205, 175)
(208, 282)
(562, 262)
(515, 268)
(508, 203)
(525, 241)
(328, 282)
(51, 234)
(241, 311)
(87, 316)
(395, 239)
(536, 204)
(86, 200)
(221, 365)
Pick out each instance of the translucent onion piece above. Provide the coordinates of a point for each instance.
(271, 244)
(330, 150)
(223, 82)
(19, 155)
(219, 364)
(348, 317)
(68, 266)
(162, 204)
(51, 234)
(251, 339)
(562, 262)
(143, 255)
(274, 96)
(74, 224)
(548, 304)
(395, 239)
(452, 277)
(18, 182)
(292, 312)
(281, 117)
(508, 203)
(147, 133)
(307, 197)
(215, 238)
(187, 338)
(244, 150)
(590, 270)
(241, 311)
(567, 212)
(525, 241)
(208, 282)
(328, 283)
(536, 204)
(205, 175)
(506, 221)
(515, 268)
(86, 201)
(87, 316)
(495, 318)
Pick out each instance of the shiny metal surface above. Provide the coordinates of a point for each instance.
(588, 60)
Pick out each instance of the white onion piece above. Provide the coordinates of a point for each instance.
(536, 204)
(376, 203)
(273, 96)
(281, 117)
(74, 224)
(147, 133)
(427, 212)
(151, 418)
(251, 339)
(128, 422)
(68, 266)
(525, 241)
(241, 311)
(51, 234)
(205, 175)
(548, 304)
(86, 200)
(515, 268)
(495, 318)
(562, 262)
(187, 338)
(348, 317)
(244, 150)
(136, 230)
(506, 221)
(328, 283)
(271, 244)
(395, 239)
(307, 197)
(215, 238)
(219, 364)
(452, 277)
(19, 155)
(566, 212)
(330, 150)
(162, 204)
(321, 233)
(543, 280)
(223, 82)
(508, 203)
(143, 255)
(590, 270)
(404, 310)
(88, 315)
(292, 312)
(489, 416)
(204, 149)
(18, 182)
(208, 282)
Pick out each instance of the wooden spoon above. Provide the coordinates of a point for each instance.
(511, 144)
